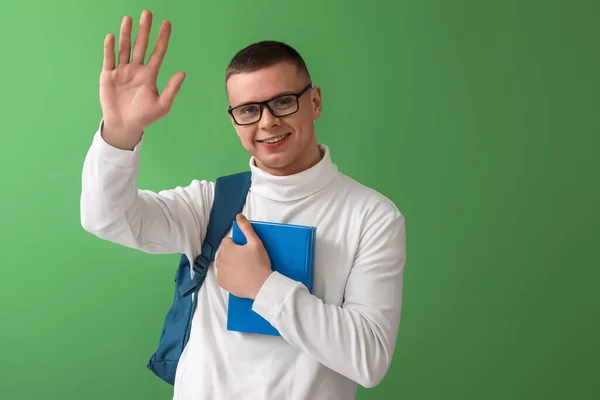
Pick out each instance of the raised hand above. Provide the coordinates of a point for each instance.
(129, 95)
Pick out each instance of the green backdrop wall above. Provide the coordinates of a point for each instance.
(478, 118)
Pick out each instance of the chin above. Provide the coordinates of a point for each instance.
(275, 164)
(274, 161)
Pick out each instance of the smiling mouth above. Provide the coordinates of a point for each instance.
(274, 140)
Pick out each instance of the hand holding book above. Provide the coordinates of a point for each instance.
(242, 270)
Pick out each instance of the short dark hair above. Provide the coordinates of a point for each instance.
(264, 54)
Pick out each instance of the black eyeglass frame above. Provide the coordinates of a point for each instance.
(265, 103)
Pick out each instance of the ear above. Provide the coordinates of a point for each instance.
(316, 101)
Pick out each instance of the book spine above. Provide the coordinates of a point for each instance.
(311, 259)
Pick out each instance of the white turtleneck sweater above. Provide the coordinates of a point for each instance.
(342, 334)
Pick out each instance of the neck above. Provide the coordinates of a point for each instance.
(290, 187)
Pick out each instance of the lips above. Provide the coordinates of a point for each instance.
(274, 139)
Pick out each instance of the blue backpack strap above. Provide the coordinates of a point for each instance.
(229, 200)
(230, 197)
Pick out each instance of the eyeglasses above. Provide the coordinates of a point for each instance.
(281, 106)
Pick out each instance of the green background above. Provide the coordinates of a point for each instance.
(478, 118)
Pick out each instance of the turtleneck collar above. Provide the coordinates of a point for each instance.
(296, 186)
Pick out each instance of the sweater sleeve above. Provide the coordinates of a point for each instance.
(114, 209)
(357, 339)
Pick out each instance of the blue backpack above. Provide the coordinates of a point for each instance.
(229, 200)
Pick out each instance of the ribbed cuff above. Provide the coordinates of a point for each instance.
(112, 155)
(272, 294)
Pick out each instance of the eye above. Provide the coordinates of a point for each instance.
(284, 102)
(251, 110)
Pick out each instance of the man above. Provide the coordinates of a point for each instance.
(343, 333)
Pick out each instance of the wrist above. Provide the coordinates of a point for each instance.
(260, 282)
(120, 138)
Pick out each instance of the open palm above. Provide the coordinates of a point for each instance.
(129, 96)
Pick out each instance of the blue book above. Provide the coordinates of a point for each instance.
(291, 249)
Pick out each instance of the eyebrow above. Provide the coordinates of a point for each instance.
(286, 93)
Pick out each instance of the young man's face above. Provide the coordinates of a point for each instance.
(298, 149)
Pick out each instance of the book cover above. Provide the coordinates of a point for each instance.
(291, 249)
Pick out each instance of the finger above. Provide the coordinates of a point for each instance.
(160, 47)
(142, 37)
(125, 40)
(109, 52)
(226, 242)
(173, 86)
(246, 228)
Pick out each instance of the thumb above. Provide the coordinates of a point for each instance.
(173, 85)
(246, 228)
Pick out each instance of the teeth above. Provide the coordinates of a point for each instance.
(275, 140)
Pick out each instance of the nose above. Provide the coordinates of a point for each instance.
(268, 120)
